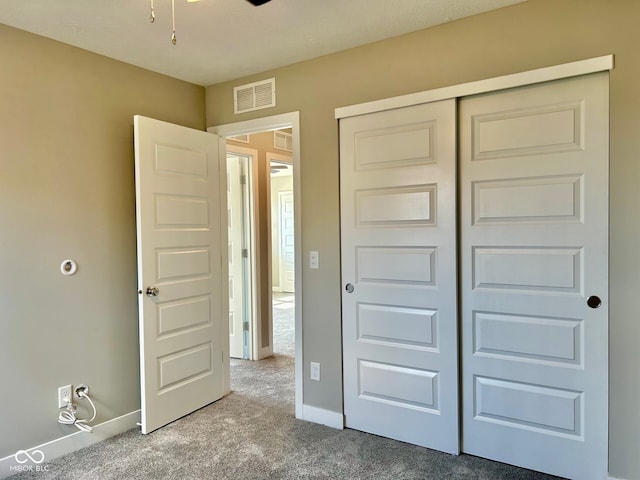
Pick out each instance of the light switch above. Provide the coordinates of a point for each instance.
(315, 371)
(314, 261)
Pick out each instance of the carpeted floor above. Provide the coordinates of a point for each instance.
(283, 324)
(252, 434)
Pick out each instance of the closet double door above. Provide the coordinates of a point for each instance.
(475, 275)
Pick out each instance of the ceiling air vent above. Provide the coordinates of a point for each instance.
(254, 96)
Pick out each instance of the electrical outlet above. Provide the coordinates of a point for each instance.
(65, 395)
(315, 371)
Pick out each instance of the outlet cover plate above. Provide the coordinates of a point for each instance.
(65, 395)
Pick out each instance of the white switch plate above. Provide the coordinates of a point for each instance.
(314, 260)
(315, 371)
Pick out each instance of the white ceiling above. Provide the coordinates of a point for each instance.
(220, 40)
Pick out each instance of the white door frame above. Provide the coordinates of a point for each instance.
(285, 120)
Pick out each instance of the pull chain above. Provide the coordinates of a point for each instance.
(152, 19)
(173, 21)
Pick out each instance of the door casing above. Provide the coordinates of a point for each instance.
(285, 120)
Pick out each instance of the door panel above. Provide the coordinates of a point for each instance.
(534, 243)
(398, 219)
(182, 324)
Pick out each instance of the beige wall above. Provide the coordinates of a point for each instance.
(67, 191)
(526, 36)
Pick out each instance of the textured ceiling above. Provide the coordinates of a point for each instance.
(219, 40)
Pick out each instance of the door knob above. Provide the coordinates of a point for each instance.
(594, 301)
(349, 288)
(152, 291)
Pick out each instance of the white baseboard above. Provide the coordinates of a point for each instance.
(322, 416)
(615, 478)
(70, 443)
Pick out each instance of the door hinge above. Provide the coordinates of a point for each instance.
(243, 179)
(245, 253)
(245, 326)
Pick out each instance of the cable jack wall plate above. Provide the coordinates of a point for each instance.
(68, 267)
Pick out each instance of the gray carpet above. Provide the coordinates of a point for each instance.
(284, 324)
(252, 434)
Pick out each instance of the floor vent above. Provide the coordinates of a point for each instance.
(254, 96)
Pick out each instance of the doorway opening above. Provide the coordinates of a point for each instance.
(261, 245)
(284, 131)
(261, 250)
(282, 252)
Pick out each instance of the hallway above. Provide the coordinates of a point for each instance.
(284, 324)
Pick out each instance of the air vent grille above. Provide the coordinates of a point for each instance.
(255, 96)
(282, 140)
(244, 138)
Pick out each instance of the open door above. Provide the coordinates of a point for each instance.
(183, 302)
(239, 233)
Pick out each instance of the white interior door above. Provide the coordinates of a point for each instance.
(237, 249)
(287, 248)
(183, 298)
(534, 206)
(398, 218)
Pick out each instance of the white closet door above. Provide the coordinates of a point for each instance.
(534, 254)
(398, 218)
